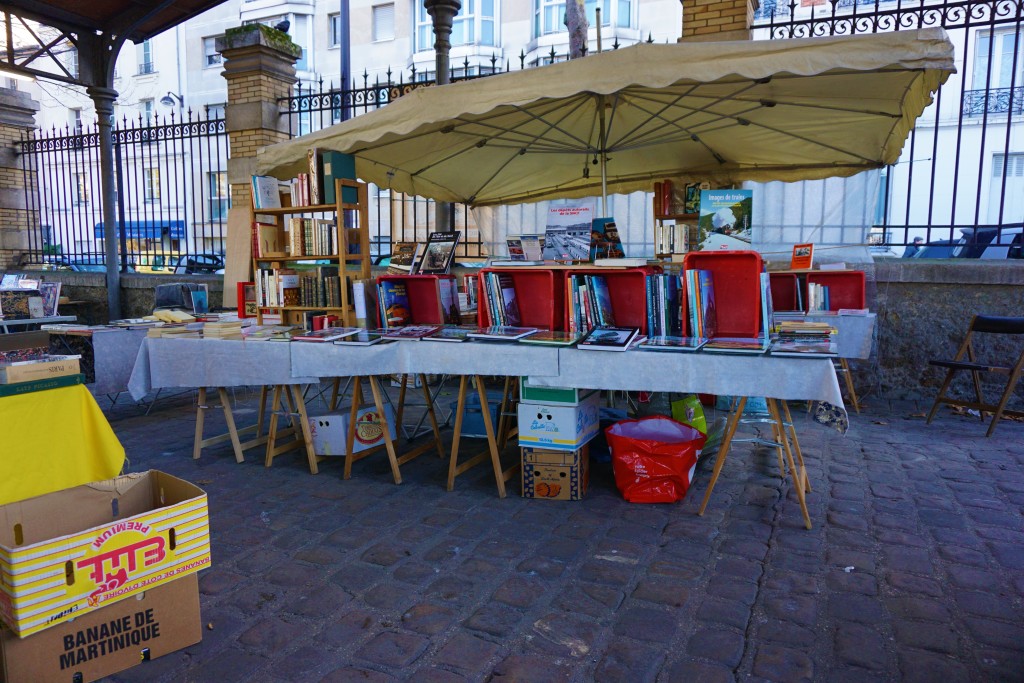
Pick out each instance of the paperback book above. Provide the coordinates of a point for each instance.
(726, 218)
(394, 304)
(551, 338)
(803, 257)
(266, 192)
(802, 348)
(567, 234)
(700, 297)
(669, 343)
(747, 345)
(503, 333)
(404, 257)
(604, 240)
(608, 339)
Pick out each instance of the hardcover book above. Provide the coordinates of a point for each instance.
(668, 343)
(50, 291)
(567, 234)
(726, 213)
(266, 192)
(602, 300)
(503, 333)
(604, 239)
(411, 332)
(326, 334)
(403, 258)
(608, 339)
(510, 306)
(448, 297)
(551, 338)
(751, 345)
(361, 338)
(451, 334)
(439, 252)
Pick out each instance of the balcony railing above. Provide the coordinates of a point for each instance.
(146, 68)
(994, 101)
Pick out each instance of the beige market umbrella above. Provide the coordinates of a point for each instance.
(617, 121)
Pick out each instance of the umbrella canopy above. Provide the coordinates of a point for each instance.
(723, 112)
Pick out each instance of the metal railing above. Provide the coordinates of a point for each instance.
(171, 190)
(954, 172)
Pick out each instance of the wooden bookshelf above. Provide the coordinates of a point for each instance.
(350, 266)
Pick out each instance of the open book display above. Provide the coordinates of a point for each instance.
(608, 339)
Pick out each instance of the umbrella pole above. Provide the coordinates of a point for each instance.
(602, 142)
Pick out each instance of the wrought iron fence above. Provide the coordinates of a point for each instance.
(171, 190)
(962, 171)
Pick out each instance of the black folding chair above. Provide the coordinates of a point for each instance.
(967, 360)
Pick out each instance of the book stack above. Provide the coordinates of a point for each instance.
(177, 331)
(499, 296)
(311, 237)
(320, 287)
(591, 303)
(227, 329)
(805, 338)
(700, 299)
(664, 309)
(44, 367)
(817, 297)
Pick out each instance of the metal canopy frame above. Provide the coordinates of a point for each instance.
(97, 30)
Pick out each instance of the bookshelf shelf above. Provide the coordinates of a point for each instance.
(344, 236)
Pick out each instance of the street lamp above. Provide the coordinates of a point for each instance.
(170, 99)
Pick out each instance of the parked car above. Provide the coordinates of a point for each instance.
(192, 264)
(936, 249)
(81, 263)
(989, 243)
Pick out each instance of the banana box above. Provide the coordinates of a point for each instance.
(555, 475)
(69, 552)
(558, 426)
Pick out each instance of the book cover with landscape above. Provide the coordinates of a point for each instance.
(726, 219)
(439, 252)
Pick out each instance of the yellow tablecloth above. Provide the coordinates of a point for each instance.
(53, 440)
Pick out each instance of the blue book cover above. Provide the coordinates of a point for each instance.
(602, 300)
(707, 304)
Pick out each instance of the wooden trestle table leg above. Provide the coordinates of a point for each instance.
(848, 376)
(723, 450)
(799, 475)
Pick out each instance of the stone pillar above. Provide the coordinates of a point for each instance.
(259, 66)
(17, 116)
(717, 19)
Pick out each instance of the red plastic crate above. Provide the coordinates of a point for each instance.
(540, 295)
(424, 297)
(846, 288)
(628, 290)
(784, 291)
(736, 276)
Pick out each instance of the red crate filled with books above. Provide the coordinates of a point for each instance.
(846, 288)
(614, 297)
(418, 300)
(736, 277)
(521, 297)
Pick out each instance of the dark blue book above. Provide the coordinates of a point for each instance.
(602, 300)
(394, 304)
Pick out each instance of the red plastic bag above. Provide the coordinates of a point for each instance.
(653, 458)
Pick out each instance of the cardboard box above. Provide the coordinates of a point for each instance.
(19, 346)
(107, 640)
(556, 475)
(564, 395)
(30, 371)
(330, 431)
(473, 417)
(559, 426)
(72, 551)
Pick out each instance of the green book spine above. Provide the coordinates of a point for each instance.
(19, 388)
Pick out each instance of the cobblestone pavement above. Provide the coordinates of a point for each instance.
(914, 570)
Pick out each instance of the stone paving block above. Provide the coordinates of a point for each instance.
(427, 618)
(435, 675)
(525, 668)
(776, 663)
(520, 591)
(913, 584)
(304, 663)
(941, 638)
(346, 628)
(357, 576)
(800, 610)
(907, 559)
(727, 612)
(629, 661)
(660, 591)
(416, 573)
(718, 645)
(294, 575)
(394, 649)
(317, 602)
(996, 634)
(497, 620)
(859, 645)
(232, 665)
(539, 566)
(928, 667)
(787, 634)
(564, 635)
(216, 581)
(650, 625)
(1008, 556)
(591, 599)
(961, 555)
(347, 674)
(974, 578)
(466, 653)
(607, 573)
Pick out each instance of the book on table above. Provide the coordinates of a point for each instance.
(403, 258)
(608, 339)
(439, 252)
(411, 332)
(804, 348)
(452, 334)
(551, 338)
(515, 264)
(741, 345)
(362, 338)
(503, 333)
(671, 343)
(700, 294)
(327, 334)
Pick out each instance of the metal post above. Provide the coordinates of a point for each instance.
(104, 98)
(442, 12)
(345, 48)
